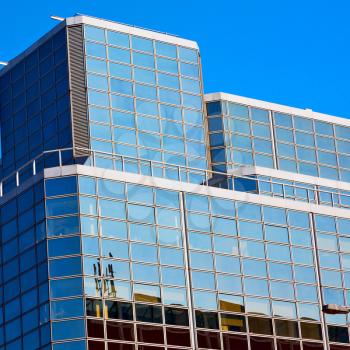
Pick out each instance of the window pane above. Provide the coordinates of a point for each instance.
(59, 186)
(95, 34)
(142, 44)
(120, 70)
(164, 49)
(67, 308)
(118, 39)
(120, 55)
(68, 329)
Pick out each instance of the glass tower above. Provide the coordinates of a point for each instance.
(128, 224)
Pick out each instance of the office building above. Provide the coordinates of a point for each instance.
(138, 213)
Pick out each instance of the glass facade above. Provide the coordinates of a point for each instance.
(245, 135)
(145, 99)
(34, 104)
(104, 256)
(138, 265)
(24, 288)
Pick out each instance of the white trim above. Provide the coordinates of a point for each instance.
(286, 175)
(130, 30)
(193, 188)
(307, 113)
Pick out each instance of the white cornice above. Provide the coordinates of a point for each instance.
(97, 22)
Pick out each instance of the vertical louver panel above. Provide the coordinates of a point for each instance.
(78, 90)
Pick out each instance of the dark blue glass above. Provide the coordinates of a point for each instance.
(66, 287)
(74, 345)
(64, 246)
(245, 185)
(59, 186)
(65, 267)
(63, 226)
(61, 206)
(214, 108)
(68, 329)
(67, 308)
(49, 64)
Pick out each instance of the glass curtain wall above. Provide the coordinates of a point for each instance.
(244, 135)
(155, 264)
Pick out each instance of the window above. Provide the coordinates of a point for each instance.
(59, 186)
(118, 39)
(64, 246)
(67, 308)
(142, 44)
(120, 55)
(63, 226)
(95, 34)
(68, 329)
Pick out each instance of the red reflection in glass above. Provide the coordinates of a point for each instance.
(120, 331)
(208, 340)
(150, 334)
(119, 346)
(95, 329)
(233, 341)
(312, 346)
(178, 336)
(287, 345)
(257, 343)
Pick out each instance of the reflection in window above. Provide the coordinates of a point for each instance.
(311, 331)
(233, 323)
(284, 309)
(148, 313)
(207, 320)
(174, 296)
(61, 206)
(141, 213)
(260, 325)
(94, 308)
(147, 293)
(205, 300)
(258, 306)
(62, 226)
(175, 316)
(120, 331)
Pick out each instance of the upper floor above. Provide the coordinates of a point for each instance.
(91, 84)
(248, 132)
(113, 96)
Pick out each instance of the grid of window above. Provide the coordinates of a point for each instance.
(145, 98)
(252, 269)
(333, 243)
(252, 264)
(239, 135)
(24, 281)
(90, 263)
(137, 257)
(34, 104)
(242, 135)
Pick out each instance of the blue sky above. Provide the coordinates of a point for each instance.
(291, 52)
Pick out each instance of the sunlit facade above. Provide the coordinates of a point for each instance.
(139, 214)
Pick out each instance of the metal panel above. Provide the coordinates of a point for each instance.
(78, 95)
